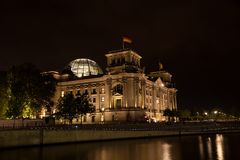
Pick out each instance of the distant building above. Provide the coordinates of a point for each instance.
(124, 93)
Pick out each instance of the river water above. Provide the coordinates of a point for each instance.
(199, 147)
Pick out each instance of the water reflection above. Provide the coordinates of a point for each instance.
(201, 147)
(166, 151)
(211, 146)
(132, 150)
(165, 148)
(219, 146)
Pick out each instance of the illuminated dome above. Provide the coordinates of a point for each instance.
(85, 67)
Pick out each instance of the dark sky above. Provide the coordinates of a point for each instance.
(196, 40)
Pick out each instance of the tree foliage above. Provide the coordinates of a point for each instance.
(67, 106)
(70, 106)
(184, 114)
(28, 90)
(170, 114)
(3, 94)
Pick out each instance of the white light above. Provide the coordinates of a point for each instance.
(102, 99)
(62, 94)
(215, 112)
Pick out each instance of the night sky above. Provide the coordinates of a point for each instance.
(196, 40)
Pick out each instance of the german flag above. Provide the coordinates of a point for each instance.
(126, 39)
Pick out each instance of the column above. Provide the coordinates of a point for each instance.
(108, 92)
(136, 91)
(125, 103)
(143, 86)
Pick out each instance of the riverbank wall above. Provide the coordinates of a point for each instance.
(18, 138)
(53, 135)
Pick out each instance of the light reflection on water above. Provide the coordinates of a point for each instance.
(209, 148)
(202, 147)
(220, 146)
(214, 147)
(141, 151)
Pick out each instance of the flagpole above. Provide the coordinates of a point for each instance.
(123, 43)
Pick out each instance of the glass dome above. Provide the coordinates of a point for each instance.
(85, 67)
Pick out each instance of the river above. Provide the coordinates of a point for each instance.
(197, 147)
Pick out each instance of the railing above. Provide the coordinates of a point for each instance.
(123, 126)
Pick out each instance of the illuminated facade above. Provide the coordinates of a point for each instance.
(124, 93)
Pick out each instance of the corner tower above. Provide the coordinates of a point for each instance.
(120, 61)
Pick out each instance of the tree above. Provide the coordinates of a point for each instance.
(28, 90)
(3, 94)
(168, 113)
(70, 106)
(15, 108)
(171, 114)
(184, 114)
(67, 107)
(83, 105)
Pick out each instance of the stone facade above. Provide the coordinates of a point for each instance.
(125, 92)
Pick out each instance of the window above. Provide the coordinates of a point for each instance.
(69, 92)
(102, 99)
(94, 100)
(62, 93)
(94, 91)
(78, 93)
(93, 118)
(118, 103)
(102, 90)
(118, 89)
(123, 60)
(158, 93)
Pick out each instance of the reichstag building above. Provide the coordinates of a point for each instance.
(123, 93)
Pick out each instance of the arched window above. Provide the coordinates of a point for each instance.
(118, 89)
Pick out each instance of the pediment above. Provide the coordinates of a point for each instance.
(158, 82)
(117, 94)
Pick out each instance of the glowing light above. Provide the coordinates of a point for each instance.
(85, 67)
(209, 148)
(62, 93)
(219, 146)
(102, 90)
(102, 99)
(166, 151)
(43, 113)
(201, 148)
(102, 118)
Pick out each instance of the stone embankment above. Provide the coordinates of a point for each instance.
(33, 136)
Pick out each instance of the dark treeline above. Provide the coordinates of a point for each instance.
(24, 89)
